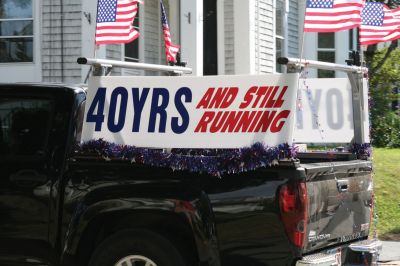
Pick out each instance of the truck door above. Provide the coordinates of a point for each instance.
(26, 128)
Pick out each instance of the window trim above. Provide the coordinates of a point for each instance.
(334, 50)
(34, 36)
(280, 37)
(141, 43)
(142, 39)
(131, 59)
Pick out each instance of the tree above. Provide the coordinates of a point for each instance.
(372, 49)
(384, 73)
(385, 121)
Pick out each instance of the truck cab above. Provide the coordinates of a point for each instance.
(36, 129)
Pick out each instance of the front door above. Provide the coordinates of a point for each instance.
(210, 47)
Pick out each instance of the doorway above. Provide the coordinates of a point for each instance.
(210, 46)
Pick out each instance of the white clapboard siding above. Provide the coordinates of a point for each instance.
(114, 52)
(152, 45)
(229, 37)
(54, 58)
(293, 27)
(264, 21)
(152, 33)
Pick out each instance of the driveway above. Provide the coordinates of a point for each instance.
(390, 254)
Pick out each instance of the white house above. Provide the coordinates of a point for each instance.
(327, 47)
(40, 40)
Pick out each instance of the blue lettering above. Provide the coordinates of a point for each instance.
(98, 101)
(122, 93)
(176, 128)
(158, 108)
(138, 105)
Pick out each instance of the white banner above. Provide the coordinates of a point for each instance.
(191, 112)
(324, 112)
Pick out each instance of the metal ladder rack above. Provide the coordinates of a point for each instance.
(355, 75)
(103, 66)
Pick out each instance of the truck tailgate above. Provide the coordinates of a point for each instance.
(340, 199)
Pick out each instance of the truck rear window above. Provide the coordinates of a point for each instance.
(24, 125)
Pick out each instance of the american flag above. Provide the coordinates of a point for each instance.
(332, 15)
(379, 23)
(170, 49)
(115, 21)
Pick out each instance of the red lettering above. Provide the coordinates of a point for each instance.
(204, 102)
(231, 121)
(218, 98)
(277, 124)
(218, 122)
(266, 97)
(242, 121)
(230, 97)
(255, 120)
(279, 102)
(245, 121)
(248, 97)
(271, 101)
(260, 93)
(204, 121)
(265, 121)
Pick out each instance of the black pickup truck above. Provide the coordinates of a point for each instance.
(59, 207)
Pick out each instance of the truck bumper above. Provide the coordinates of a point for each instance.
(364, 252)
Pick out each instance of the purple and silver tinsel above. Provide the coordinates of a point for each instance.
(363, 151)
(216, 162)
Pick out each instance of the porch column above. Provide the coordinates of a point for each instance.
(192, 35)
(244, 25)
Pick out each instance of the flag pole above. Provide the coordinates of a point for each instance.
(94, 43)
(171, 50)
(95, 26)
(303, 33)
(162, 28)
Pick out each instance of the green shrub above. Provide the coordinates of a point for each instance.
(385, 130)
(385, 122)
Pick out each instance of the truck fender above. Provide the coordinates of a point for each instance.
(193, 213)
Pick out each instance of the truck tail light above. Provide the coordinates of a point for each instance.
(293, 201)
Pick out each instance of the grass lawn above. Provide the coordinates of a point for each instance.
(387, 191)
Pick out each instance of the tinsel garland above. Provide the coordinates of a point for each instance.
(363, 151)
(216, 162)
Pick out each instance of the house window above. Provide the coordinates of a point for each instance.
(16, 31)
(132, 49)
(279, 38)
(326, 52)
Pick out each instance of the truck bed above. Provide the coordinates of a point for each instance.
(245, 207)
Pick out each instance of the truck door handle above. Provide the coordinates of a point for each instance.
(28, 176)
(342, 185)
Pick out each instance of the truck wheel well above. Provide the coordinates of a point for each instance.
(171, 226)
